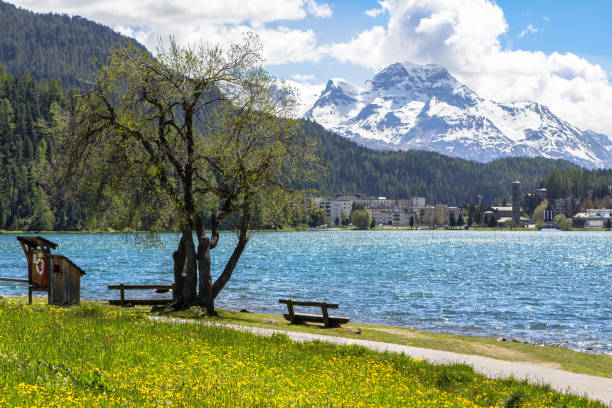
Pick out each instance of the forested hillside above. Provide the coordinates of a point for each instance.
(25, 151)
(441, 179)
(53, 46)
(596, 184)
(30, 199)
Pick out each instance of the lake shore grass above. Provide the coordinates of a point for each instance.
(559, 357)
(96, 355)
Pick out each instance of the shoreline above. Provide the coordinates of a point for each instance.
(387, 228)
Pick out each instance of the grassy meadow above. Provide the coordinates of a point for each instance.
(95, 355)
(559, 357)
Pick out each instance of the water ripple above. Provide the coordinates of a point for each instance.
(551, 287)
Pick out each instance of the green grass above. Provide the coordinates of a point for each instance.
(585, 363)
(95, 355)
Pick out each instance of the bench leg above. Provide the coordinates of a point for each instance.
(29, 296)
(290, 311)
(325, 315)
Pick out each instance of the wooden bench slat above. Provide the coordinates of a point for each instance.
(306, 317)
(318, 304)
(325, 318)
(122, 301)
(140, 302)
(139, 287)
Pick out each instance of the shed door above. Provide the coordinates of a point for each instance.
(40, 269)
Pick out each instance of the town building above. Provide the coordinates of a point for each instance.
(384, 211)
(502, 211)
(565, 206)
(593, 218)
(335, 208)
(541, 193)
(516, 202)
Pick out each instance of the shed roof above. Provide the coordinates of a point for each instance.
(37, 241)
(70, 262)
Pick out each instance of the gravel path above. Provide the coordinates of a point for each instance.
(597, 388)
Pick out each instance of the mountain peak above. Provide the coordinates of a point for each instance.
(411, 106)
(414, 73)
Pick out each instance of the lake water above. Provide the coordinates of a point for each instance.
(538, 287)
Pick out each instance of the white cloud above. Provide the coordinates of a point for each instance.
(464, 36)
(213, 21)
(546, 18)
(384, 6)
(318, 10)
(530, 29)
(374, 12)
(303, 77)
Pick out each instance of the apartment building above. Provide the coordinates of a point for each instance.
(384, 211)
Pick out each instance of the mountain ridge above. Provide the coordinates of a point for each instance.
(409, 106)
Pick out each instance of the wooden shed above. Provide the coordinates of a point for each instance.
(65, 283)
(54, 274)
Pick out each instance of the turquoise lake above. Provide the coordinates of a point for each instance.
(537, 287)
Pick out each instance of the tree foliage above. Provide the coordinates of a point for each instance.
(538, 213)
(564, 223)
(197, 130)
(25, 150)
(361, 218)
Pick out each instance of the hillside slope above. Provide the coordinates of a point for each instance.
(53, 46)
(354, 168)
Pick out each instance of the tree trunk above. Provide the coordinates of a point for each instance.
(185, 273)
(189, 273)
(243, 239)
(205, 294)
(179, 264)
(205, 245)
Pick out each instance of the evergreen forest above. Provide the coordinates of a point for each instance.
(440, 179)
(67, 49)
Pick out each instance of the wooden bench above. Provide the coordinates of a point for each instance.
(324, 317)
(133, 302)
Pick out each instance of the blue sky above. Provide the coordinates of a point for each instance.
(582, 28)
(554, 52)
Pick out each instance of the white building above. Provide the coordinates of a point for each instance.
(384, 211)
(593, 218)
(335, 207)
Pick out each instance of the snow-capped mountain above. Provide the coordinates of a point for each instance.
(407, 106)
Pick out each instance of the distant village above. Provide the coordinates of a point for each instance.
(532, 210)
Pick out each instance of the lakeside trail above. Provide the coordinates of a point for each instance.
(596, 388)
